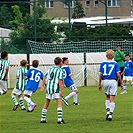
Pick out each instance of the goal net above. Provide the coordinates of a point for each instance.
(84, 57)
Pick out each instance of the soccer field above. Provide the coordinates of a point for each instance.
(89, 117)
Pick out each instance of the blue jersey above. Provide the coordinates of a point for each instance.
(34, 75)
(67, 79)
(109, 70)
(128, 68)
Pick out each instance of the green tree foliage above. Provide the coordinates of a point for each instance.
(5, 16)
(26, 28)
(78, 11)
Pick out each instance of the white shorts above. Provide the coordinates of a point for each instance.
(17, 92)
(28, 92)
(110, 87)
(3, 85)
(127, 78)
(53, 96)
(73, 87)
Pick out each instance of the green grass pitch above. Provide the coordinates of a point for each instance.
(89, 117)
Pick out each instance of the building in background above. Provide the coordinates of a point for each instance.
(92, 8)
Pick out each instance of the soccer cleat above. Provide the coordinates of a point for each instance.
(32, 108)
(107, 116)
(65, 101)
(23, 108)
(110, 117)
(15, 107)
(124, 92)
(61, 122)
(76, 103)
(43, 121)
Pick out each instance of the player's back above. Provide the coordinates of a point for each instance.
(67, 79)
(3, 65)
(34, 75)
(54, 74)
(109, 70)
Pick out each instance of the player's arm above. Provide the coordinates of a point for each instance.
(6, 73)
(43, 83)
(119, 77)
(61, 86)
(100, 81)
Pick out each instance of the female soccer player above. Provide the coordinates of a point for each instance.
(109, 71)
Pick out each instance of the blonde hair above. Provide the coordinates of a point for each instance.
(110, 54)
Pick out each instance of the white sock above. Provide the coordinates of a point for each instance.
(70, 95)
(124, 87)
(59, 110)
(107, 104)
(132, 84)
(75, 98)
(112, 107)
(28, 100)
(44, 112)
(1, 92)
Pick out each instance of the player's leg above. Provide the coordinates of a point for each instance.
(44, 111)
(107, 105)
(14, 100)
(59, 111)
(75, 102)
(31, 105)
(124, 86)
(21, 101)
(3, 88)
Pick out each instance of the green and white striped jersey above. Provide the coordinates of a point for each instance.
(21, 83)
(3, 65)
(54, 74)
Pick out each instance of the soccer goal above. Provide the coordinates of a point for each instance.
(85, 57)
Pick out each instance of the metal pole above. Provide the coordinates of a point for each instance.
(85, 71)
(106, 14)
(69, 18)
(35, 37)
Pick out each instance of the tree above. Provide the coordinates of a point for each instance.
(5, 16)
(78, 11)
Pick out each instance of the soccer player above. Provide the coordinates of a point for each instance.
(69, 83)
(20, 85)
(33, 75)
(109, 71)
(127, 72)
(4, 68)
(54, 85)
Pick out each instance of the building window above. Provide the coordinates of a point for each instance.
(87, 3)
(131, 2)
(72, 4)
(95, 3)
(49, 3)
(113, 3)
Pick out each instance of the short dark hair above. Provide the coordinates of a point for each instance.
(119, 46)
(23, 62)
(35, 63)
(4, 54)
(127, 55)
(57, 60)
(64, 59)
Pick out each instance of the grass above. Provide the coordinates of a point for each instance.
(89, 117)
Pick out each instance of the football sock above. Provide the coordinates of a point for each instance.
(75, 98)
(44, 112)
(14, 99)
(59, 110)
(28, 100)
(70, 95)
(107, 104)
(21, 101)
(1, 92)
(112, 106)
(124, 87)
(132, 84)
